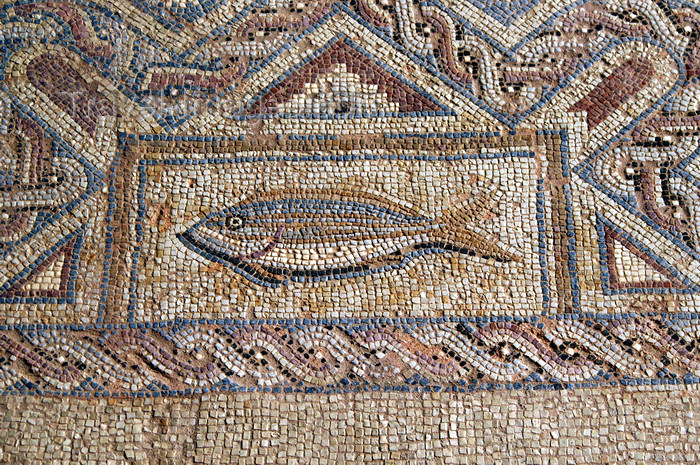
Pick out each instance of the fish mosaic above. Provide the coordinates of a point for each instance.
(307, 236)
(349, 231)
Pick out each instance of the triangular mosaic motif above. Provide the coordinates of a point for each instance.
(50, 278)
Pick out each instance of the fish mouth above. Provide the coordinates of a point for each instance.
(253, 272)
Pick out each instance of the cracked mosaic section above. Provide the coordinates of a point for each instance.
(361, 428)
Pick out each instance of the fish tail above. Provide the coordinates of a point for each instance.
(472, 207)
(462, 230)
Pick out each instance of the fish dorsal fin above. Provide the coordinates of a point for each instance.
(361, 195)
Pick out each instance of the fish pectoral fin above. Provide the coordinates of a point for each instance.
(471, 208)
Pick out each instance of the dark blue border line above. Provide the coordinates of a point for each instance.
(241, 137)
(570, 242)
(335, 158)
(404, 323)
(109, 227)
(415, 384)
(133, 286)
(570, 224)
(542, 243)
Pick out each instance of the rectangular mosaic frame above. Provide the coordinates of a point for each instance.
(223, 151)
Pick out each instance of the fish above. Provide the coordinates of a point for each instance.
(316, 235)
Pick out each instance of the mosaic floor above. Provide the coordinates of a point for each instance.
(364, 231)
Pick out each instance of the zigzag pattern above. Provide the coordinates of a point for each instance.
(544, 352)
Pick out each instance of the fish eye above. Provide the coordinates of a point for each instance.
(233, 222)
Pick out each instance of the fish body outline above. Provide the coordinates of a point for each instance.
(317, 235)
